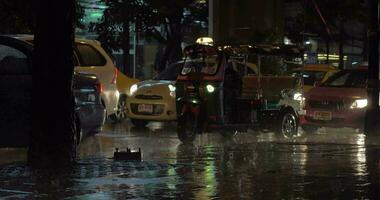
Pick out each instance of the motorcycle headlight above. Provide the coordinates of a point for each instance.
(133, 89)
(210, 88)
(359, 103)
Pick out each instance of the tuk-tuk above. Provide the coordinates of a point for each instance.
(212, 94)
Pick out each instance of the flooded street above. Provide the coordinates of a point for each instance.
(332, 164)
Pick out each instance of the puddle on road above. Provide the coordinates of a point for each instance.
(252, 171)
(246, 166)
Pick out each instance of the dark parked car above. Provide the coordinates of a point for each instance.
(15, 95)
(89, 108)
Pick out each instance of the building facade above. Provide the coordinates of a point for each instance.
(257, 21)
(246, 21)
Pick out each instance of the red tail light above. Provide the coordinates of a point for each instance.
(115, 73)
(100, 87)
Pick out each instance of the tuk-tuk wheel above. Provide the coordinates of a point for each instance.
(288, 124)
(188, 127)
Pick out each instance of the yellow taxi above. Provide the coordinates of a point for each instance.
(155, 100)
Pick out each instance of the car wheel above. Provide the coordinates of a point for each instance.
(309, 129)
(139, 122)
(187, 127)
(288, 124)
(121, 113)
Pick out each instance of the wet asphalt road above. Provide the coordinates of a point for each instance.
(332, 164)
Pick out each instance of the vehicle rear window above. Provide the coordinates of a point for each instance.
(348, 78)
(89, 56)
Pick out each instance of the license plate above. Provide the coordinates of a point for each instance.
(323, 115)
(145, 108)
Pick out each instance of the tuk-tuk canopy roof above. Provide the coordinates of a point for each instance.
(200, 49)
(241, 50)
(264, 50)
(316, 67)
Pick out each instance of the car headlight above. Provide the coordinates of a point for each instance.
(210, 88)
(171, 88)
(359, 103)
(133, 89)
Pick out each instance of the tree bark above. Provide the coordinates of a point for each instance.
(53, 138)
(372, 111)
(125, 37)
(327, 51)
(341, 45)
(125, 46)
(365, 43)
(165, 57)
(173, 49)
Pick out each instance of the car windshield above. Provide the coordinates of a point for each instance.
(208, 65)
(170, 73)
(348, 78)
(309, 77)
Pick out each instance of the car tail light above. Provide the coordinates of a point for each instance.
(100, 87)
(115, 73)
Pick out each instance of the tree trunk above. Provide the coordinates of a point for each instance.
(164, 59)
(173, 49)
(177, 37)
(176, 53)
(341, 45)
(327, 51)
(125, 46)
(53, 138)
(172, 53)
(372, 112)
(125, 37)
(365, 43)
(371, 126)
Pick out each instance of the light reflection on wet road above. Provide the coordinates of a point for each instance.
(333, 164)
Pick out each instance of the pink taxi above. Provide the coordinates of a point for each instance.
(338, 102)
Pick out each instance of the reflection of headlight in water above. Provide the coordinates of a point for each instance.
(360, 139)
(361, 160)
